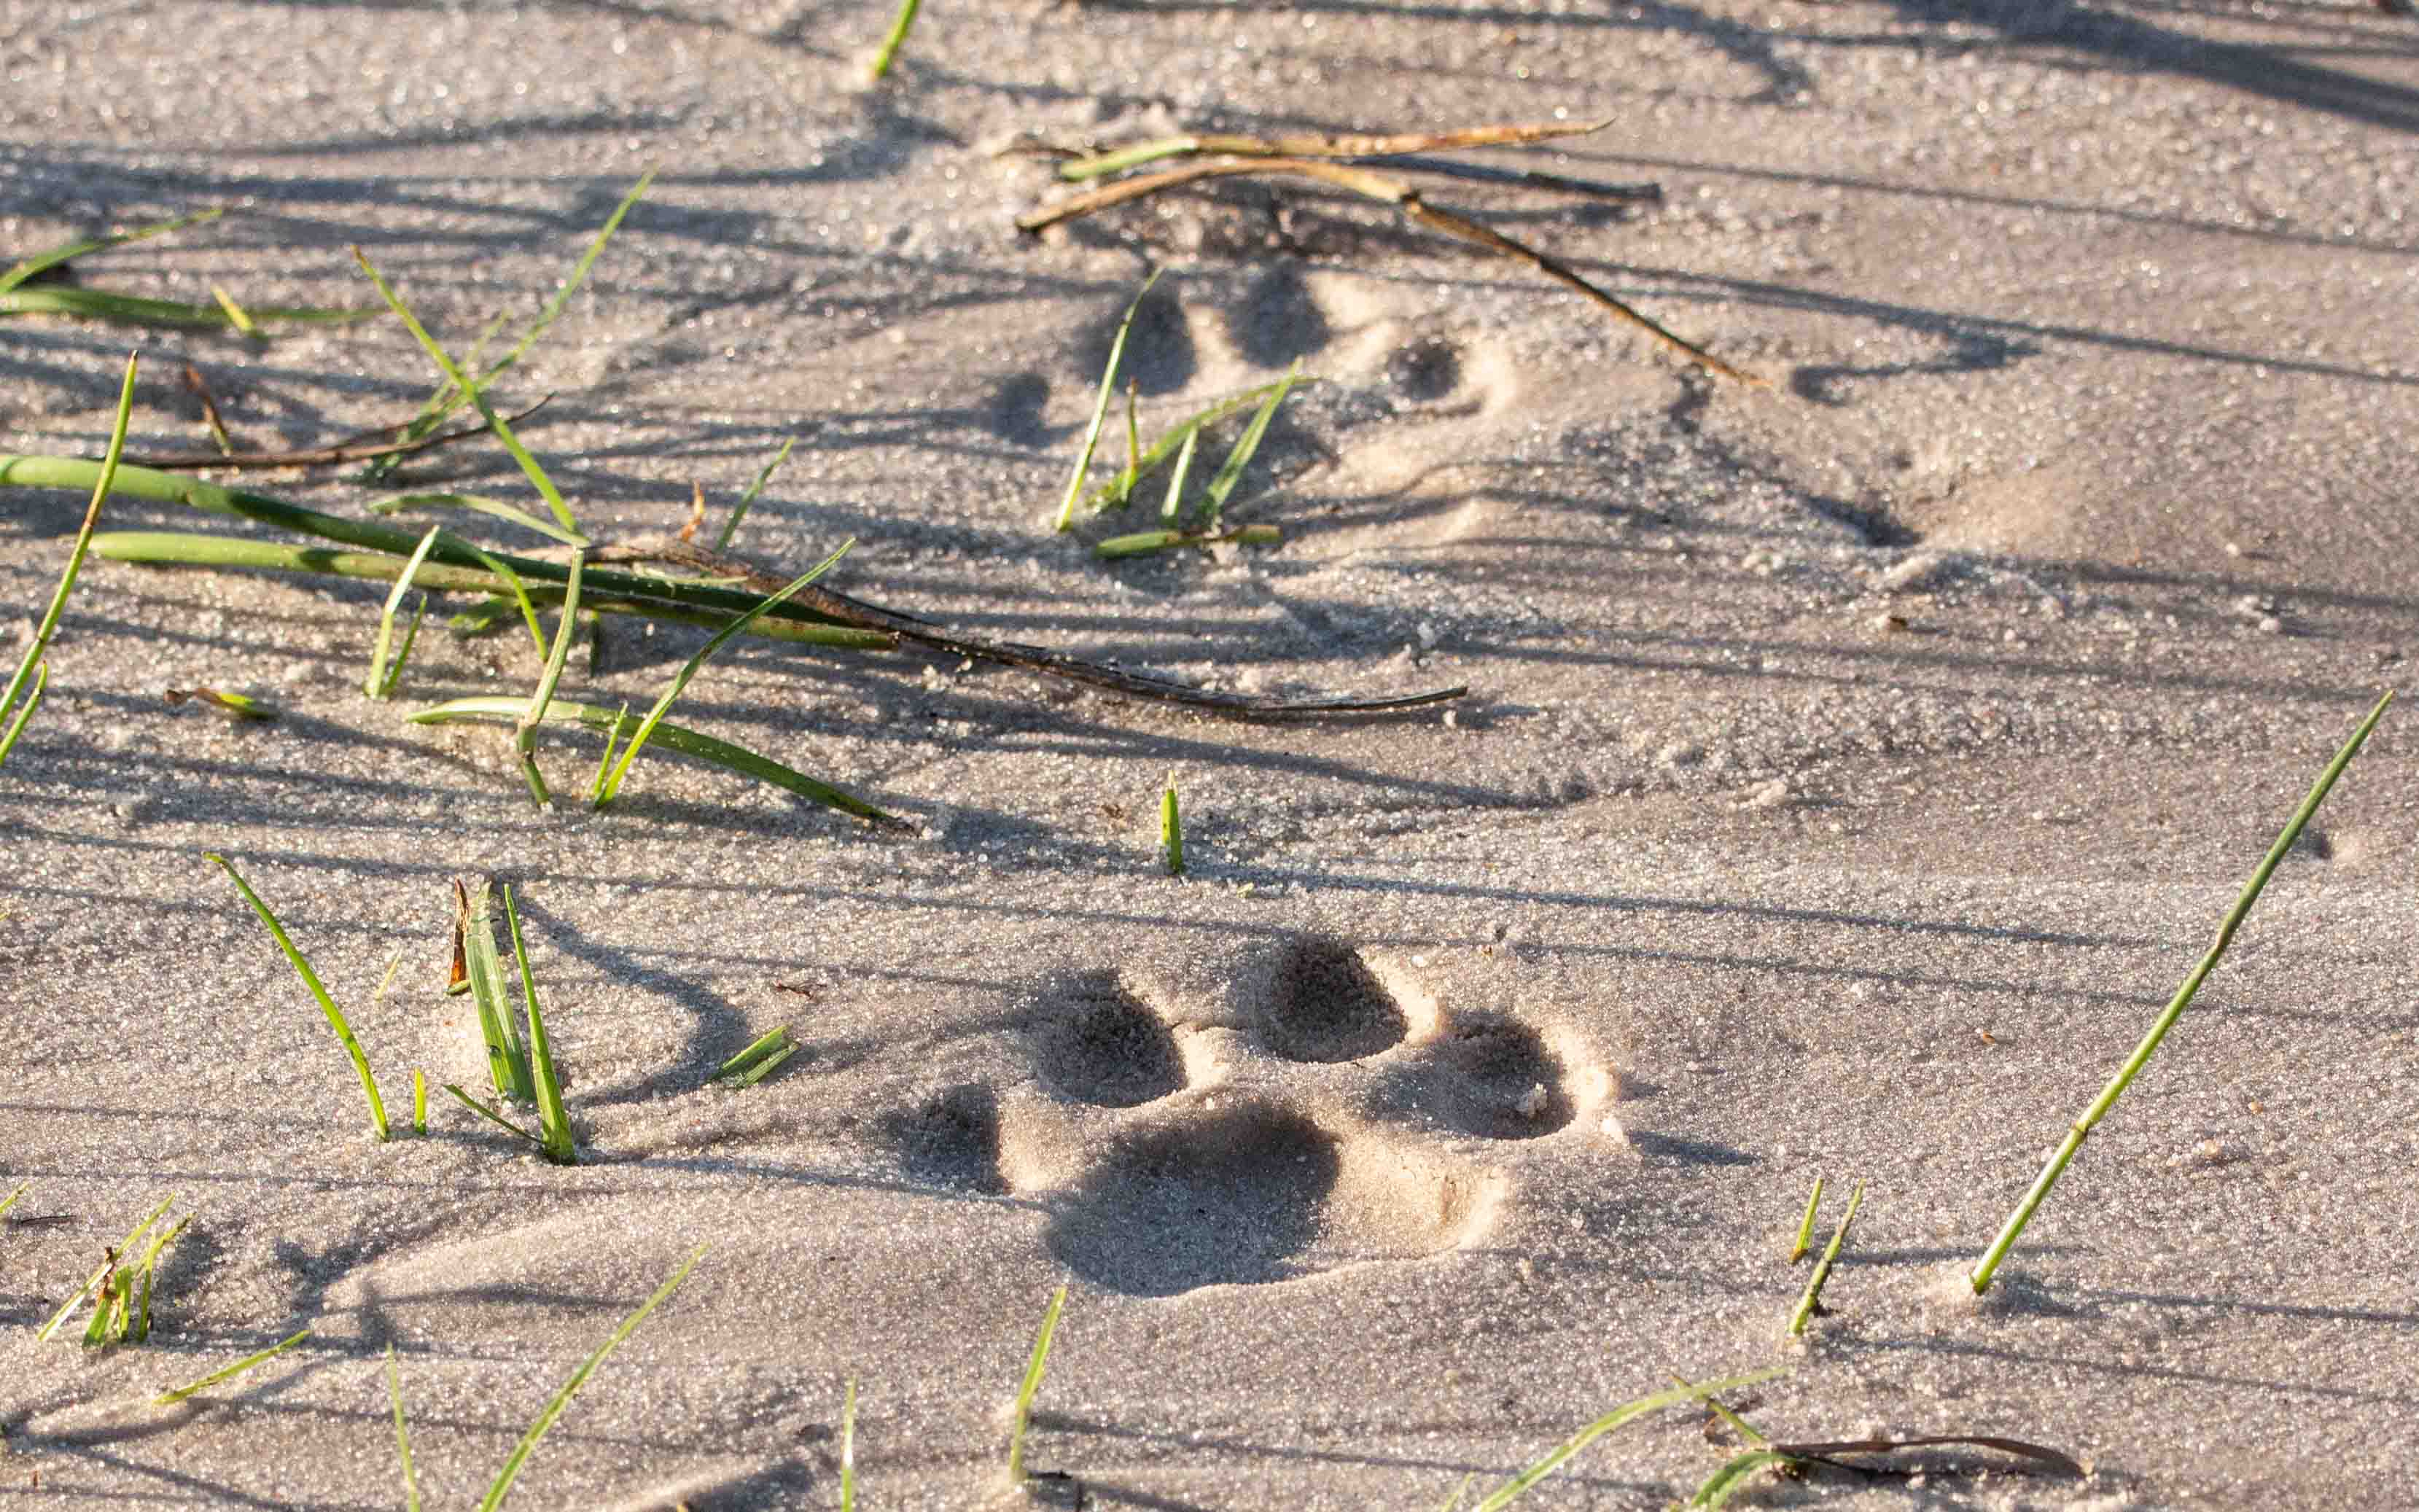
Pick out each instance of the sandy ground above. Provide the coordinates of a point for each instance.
(1851, 768)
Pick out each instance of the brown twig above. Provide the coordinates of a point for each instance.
(201, 388)
(363, 446)
(856, 611)
(1387, 190)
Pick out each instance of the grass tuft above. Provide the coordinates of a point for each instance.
(1980, 1278)
(1100, 413)
(311, 980)
(35, 665)
(1812, 1302)
(105, 1272)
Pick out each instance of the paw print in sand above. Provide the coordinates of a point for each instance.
(1332, 1111)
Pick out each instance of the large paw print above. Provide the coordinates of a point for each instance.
(1330, 1111)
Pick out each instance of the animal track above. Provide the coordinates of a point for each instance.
(1306, 1121)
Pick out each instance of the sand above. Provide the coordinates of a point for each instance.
(1851, 768)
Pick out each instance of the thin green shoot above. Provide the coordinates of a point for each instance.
(519, 591)
(1714, 1405)
(611, 786)
(442, 401)
(170, 1398)
(1735, 1474)
(32, 666)
(66, 251)
(478, 395)
(2081, 1129)
(503, 1481)
(129, 1321)
(491, 1114)
(739, 510)
(136, 309)
(1171, 512)
(10, 1201)
(1024, 1409)
(759, 1060)
(1134, 439)
(402, 1434)
(604, 762)
(1141, 543)
(1517, 1486)
(101, 1273)
(1806, 1224)
(237, 706)
(25, 710)
(508, 1061)
(384, 673)
(419, 1102)
(672, 736)
(567, 626)
(1171, 831)
(1453, 1503)
(1117, 492)
(554, 1123)
(848, 1448)
(1812, 1300)
(1239, 456)
(311, 980)
(878, 67)
(240, 318)
(481, 504)
(1100, 408)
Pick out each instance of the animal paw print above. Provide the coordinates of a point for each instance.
(1330, 1111)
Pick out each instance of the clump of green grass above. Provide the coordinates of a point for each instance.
(502, 1484)
(122, 1313)
(35, 665)
(1812, 1302)
(311, 980)
(1980, 1278)
(523, 1070)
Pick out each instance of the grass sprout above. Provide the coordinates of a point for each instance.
(1101, 411)
(1239, 456)
(1119, 492)
(848, 1448)
(1980, 1278)
(10, 1201)
(1171, 510)
(101, 304)
(879, 65)
(402, 1434)
(123, 1314)
(234, 706)
(1022, 1413)
(311, 980)
(567, 626)
(609, 787)
(554, 1121)
(508, 1057)
(1806, 1224)
(511, 1471)
(102, 1273)
(759, 1060)
(1812, 1302)
(747, 500)
(1171, 831)
(1517, 1486)
(35, 666)
(170, 1398)
(385, 673)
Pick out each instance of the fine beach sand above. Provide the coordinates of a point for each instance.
(1851, 768)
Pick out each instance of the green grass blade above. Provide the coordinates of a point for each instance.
(139, 1326)
(402, 1434)
(481, 504)
(1171, 512)
(34, 649)
(10, 1201)
(1142, 543)
(879, 66)
(136, 309)
(66, 251)
(1732, 1477)
(25, 710)
(561, 298)
(100, 1272)
(169, 1398)
(1239, 456)
(419, 1102)
(1101, 410)
(612, 785)
(311, 980)
(504, 1477)
(672, 736)
(491, 1114)
(519, 591)
(604, 762)
(566, 625)
(1453, 1503)
(739, 510)
(1032, 1384)
(478, 395)
(1813, 1295)
(1806, 1224)
(2076, 1132)
(1519, 1484)
(1171, 831)
(848, 1449)
(507, 1056)
(554, 1123)
(383, 675)
(754, 1063)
